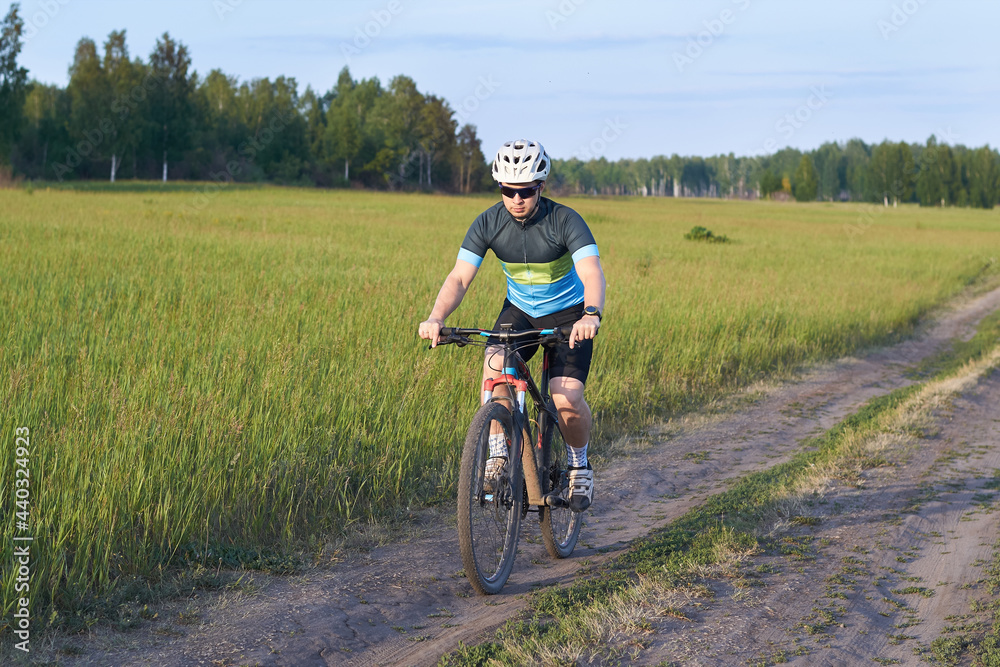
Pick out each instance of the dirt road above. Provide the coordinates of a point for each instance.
(407, 603)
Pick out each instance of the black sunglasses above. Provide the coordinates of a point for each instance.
(526, 193)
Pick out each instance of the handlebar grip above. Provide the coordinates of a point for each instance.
(448, 335)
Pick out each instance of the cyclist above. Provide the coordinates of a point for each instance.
(554, 279)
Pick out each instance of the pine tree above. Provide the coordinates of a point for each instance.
(124, 80)
(891, 172)
(171, 98)
(806, 180)
(13, 82)
(89, 121)
(936, 174)
(343, 124)
(984, 181)
(770, 183)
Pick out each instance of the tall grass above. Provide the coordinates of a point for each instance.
(245, 376)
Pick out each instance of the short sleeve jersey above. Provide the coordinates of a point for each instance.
(538, 256)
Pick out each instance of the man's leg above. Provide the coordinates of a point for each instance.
(574, 413)
(575, 420)
(498, 442)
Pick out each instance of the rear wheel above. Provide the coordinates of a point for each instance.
(489, 515)
(560, 525)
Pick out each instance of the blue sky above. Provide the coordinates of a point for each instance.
(594, 77)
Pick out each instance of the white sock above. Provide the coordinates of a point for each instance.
(498, 445)
(577, 456)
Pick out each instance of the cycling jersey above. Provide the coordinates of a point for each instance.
(538, 256)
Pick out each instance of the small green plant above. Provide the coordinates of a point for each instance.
(911, 590)
(699, 233)
(949, 650)
(697, 457)
(800, 520)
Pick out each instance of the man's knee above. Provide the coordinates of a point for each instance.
(493, 362)
(567, 394)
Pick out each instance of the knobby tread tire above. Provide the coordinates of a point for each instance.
(488, 529)
(560, 526)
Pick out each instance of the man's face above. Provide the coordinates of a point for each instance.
(518, 206)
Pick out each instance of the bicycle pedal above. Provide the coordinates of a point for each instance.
(556, 500)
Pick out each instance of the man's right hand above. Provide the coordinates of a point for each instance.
(429, 329)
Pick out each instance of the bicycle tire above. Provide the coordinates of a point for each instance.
(488, 524)
(560, 525)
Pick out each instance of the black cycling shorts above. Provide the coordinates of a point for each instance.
(563, 362)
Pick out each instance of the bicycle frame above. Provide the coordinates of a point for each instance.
(517, 378)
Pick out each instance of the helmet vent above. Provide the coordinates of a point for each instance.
(506, 159)
(541, 166)
(516, 159)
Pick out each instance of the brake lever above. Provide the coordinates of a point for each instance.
(556, 337)
(452, 339)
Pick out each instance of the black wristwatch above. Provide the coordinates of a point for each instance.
(591, 310)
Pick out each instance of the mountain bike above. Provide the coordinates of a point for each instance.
(535, 478)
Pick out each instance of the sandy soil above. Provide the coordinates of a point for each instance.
(407, 603)
(889, 565)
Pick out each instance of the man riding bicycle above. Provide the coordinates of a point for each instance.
(554, 279)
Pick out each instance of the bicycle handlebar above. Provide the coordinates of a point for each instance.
(461, 336)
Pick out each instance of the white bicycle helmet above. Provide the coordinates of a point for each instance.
(521, 161)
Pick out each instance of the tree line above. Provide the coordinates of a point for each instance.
(931, 174)
(157, 118)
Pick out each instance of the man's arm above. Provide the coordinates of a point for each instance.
(452, 292)
(592, 276)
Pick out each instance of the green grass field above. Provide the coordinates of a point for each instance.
(237, 376)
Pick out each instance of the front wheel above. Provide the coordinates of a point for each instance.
(489, 511)
(560, 525)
